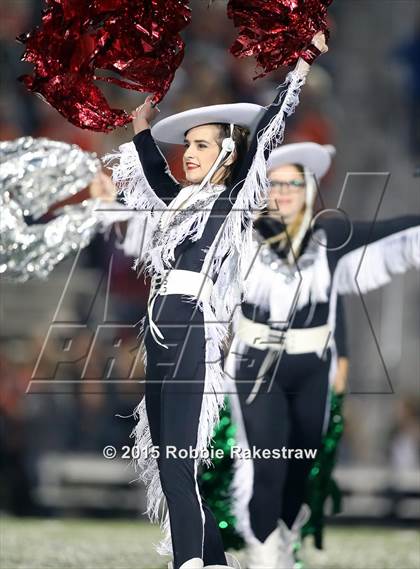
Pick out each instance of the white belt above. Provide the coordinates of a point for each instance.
(177, 281)
(293, 341)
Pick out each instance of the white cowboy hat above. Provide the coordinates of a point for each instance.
(312, 156)
(172, 129)
(316, 160)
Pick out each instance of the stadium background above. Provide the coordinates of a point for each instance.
(62, 503)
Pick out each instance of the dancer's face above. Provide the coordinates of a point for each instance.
(287, 193)
(201, 151)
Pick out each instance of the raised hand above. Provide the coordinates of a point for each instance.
(309, 55)
(102, 188)
(320, 42)
(144, 115)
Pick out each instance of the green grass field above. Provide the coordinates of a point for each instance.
(93, 544)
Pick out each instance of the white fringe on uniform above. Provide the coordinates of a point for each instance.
(305, 283)
(228, 256)
(372, 266)
(364, 269)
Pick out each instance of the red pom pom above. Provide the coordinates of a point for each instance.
(136, 39)
(276, 32)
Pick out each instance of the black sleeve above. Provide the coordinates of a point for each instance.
(155, 167)
(340, 334)
(344, 237)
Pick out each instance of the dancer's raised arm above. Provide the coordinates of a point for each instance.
(155, 167)
(317, 47)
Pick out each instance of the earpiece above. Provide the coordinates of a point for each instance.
(228, 144)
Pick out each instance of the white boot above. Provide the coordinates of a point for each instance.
(290, 537)
(195, 563)
(264, 555)
(231, 560)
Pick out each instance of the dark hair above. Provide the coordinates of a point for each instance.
(240, 137)
(300, 168)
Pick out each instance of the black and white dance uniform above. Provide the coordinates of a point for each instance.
(192, 242)
(283, 356)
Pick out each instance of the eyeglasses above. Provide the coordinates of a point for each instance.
(289, 186)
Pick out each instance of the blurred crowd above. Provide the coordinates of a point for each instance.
(79, 415)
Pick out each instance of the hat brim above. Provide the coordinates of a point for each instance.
(312, 156)
(172, 129)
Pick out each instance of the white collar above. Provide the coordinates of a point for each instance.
(208, 188)
(187, 196)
